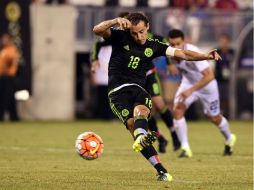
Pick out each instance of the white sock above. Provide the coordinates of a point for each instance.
(224, 129)
(182, 132)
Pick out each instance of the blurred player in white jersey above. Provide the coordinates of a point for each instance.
(198, 83)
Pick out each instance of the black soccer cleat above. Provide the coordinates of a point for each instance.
(150, 138)
(164, 177)
(144, 141)
(228, 151)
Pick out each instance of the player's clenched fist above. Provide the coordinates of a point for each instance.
(123, 23)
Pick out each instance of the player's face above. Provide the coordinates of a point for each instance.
(177, 42)
(139, 32)
(224, 43)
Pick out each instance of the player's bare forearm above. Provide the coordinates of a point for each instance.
(103, 29)
(208, 76)
(190, 55)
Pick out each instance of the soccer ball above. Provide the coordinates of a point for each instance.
(89, 145)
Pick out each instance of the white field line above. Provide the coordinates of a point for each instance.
(17, 148)
(59, 150)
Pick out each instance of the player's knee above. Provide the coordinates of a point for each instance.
(141, 111)
(215, 119)
(130, 124)
(178, 111)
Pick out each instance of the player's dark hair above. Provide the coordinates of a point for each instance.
(135, 18)
(175, 33)
(123, 14)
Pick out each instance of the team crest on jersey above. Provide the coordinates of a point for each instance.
(148, 52)
(126, 47)
(125, 112)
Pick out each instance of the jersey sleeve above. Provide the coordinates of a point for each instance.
(159, 48)
(115, 37)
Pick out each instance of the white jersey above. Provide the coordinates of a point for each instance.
(101, 74)
(192, 73)
(191, 70)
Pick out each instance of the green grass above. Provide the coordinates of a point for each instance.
(41, 155)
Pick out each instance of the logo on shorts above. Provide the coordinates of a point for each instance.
(148, 52)
(125, 112)
(156, 89)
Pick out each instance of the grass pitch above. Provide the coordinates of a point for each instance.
(41, 155)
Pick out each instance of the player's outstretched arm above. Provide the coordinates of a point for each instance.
(192, 55)
(103, 29)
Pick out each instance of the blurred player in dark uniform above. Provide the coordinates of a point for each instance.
(131, 55)
(153, 87)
